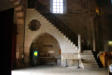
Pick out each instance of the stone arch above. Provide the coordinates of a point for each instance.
(48, 49)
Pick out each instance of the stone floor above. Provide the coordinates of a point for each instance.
(57, 70)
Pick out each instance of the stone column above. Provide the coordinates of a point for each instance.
(26, 54)
(26, 59)
(94, 45)
(93, 33)
(79, 42)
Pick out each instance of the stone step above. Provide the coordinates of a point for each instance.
(88, 61)
(86, 53)
(94, 63)
(91, 66)
(69, 50)
(55, 28)
(87, 56)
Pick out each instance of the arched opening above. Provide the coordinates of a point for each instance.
(45, 50)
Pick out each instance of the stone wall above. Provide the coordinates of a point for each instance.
(46, 44)
(65, 44)
(19, 22)
(79, 17)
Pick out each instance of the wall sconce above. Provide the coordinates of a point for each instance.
(110, 43)
(97, 11)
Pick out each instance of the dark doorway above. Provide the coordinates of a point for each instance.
(6, 23)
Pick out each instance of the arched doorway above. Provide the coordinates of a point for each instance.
(45, 50)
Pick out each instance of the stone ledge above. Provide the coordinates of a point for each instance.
(69, 55)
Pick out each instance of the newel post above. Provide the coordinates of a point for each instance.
(79, 43)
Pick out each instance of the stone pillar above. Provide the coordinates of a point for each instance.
(93, 33)
(93, 36)
(80, 65)
(26, 56)
(19, 21)
(94, 45)
(79, 42)
(26, 60)
(63, 61)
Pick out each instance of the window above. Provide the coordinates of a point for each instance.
(58, 6)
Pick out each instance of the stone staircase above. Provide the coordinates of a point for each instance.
(68, 49)
(88, 60)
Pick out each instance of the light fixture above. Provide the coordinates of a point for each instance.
(35, 53)
(97, 11)
(110, 43)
